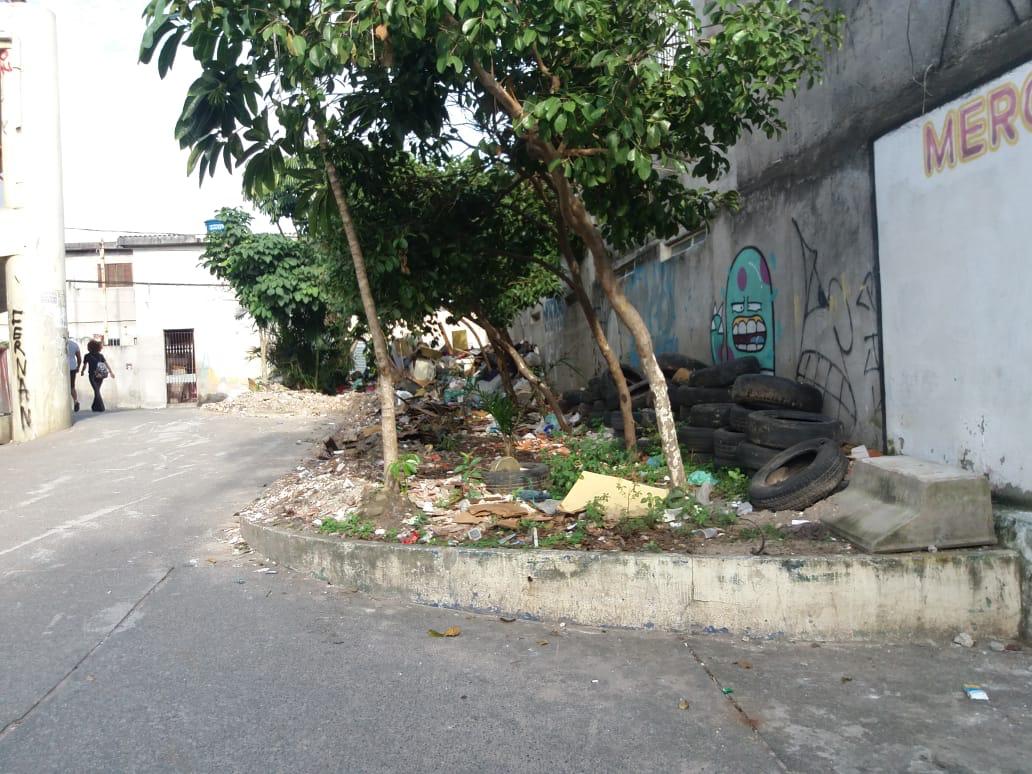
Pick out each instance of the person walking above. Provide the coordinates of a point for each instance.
(74, 363)
(99, 371)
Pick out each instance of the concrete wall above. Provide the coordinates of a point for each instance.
(171, 291)
(953, 243)
(808, 215)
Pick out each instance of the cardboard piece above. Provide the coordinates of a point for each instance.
(620, 498)
(505, 510)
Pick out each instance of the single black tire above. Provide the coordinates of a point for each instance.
(672, 362)
(616, 422)
(753, 457)
(695, 439)
(726, 443)
(572, 398)
(724, 374)
(799, 476)
(709, 414)
(693, 396)
(782, 428)
(753, 389)
(531, 475)
(738, 418)
(725, 462)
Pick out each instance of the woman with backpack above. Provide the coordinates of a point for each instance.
(99, 371)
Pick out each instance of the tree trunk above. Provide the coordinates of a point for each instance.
(576, 217)
(542, 389)
(388, 427)
(595, 326)
(580, 222)
(502, 361)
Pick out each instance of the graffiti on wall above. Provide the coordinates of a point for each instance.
(651, 287)
(840, 347)
(21, 370)
(743, 323)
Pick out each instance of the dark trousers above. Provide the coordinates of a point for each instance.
(98, 402)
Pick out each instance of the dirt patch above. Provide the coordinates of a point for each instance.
(277, 401)
(452, 506)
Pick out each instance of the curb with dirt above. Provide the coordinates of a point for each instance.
(869, 597)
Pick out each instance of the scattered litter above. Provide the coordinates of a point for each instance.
(714, 630)
(548, 507)
(703, 494)
(708, 533)
(976, 693)
(594, 681)
(996, 646)
(266, 571)
(743, 663)
(859, 453)
(799, 522)
(965, 640)
(683, 704)
(505, 619)
(451, 631)
(727, 691)
(700, 477)
(846, 679)
(534, 532)
(475, 534)
(503, 509)
(380, 531)
(542, 643)
(932, 549)
(744, 509)
(1012, 647)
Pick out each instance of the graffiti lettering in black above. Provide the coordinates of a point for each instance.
(21, 369)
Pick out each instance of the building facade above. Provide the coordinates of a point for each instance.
(172, 333)
(880, 249)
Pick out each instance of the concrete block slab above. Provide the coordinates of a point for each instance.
(906, 504)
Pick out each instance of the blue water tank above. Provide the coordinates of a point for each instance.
(214, 226)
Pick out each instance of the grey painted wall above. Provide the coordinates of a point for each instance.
(808, 209)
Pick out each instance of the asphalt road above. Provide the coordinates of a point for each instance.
(132, 639)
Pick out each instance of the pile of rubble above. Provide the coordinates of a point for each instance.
(274, 400)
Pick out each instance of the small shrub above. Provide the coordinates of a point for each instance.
(352, 526)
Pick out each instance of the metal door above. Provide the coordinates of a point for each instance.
(180, 368)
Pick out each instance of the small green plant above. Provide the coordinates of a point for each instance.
(633, 525)
(595, 511)
(470, 469)
(448, 442)
(732, 484)
(352, 526)
(652, 546)
(403, 468)
(447, 501)
(506, 414)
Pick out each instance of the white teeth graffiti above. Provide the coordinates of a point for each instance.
(749, 334)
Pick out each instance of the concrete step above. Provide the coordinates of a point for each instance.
(906, 504)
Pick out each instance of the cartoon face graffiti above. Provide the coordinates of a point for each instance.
(744, 324)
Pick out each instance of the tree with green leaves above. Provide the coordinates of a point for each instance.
(277, 76)
(282, 283)
(628, 107)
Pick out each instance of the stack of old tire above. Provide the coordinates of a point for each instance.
(704, 406)
(777, 431)
(600, 399)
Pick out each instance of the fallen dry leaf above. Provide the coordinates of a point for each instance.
(744, 664)
(683, 704)
(452, 631)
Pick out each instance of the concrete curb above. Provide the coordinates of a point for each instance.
(886, 597)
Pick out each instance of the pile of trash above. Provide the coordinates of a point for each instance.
(274, 400)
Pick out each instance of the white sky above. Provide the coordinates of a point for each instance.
(123, 169)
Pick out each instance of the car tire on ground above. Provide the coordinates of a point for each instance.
(738, 418)
(724, 374)
(798, 477)
(782, 428)
(709, 414)
(726, 443)
(672, 362)
(692, 396)
(753, 457)
(531, 475)
(776, 392)
(695, 439)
